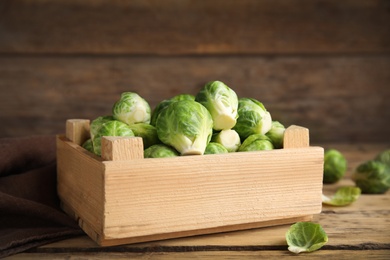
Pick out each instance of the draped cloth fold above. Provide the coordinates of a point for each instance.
(30, 213)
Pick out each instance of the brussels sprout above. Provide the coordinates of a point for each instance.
(228, 138)
(97, 123)
(147, 132)
(256, 142)
(253, 118)
(160, 151)
(343, 196)
(372, 177)
(110, 128)
(305, 237)
(185, 125)
(163, 104)
(384, 157)
(276, 134)
(221, 101)
(214, 148)
(335, 166)
(88, 145)
(131, 109)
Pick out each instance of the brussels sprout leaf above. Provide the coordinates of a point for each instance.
(305, 237)
(343, 196)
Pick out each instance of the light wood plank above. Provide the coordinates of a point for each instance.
(122, 148)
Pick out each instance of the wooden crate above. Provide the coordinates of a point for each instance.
(122, 198)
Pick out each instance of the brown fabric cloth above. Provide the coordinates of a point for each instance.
(30, 214)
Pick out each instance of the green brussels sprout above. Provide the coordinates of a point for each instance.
(88, 145)
(372, 177)
(110, 128)
(215, 148)
(335, 166)
(229, 138)
(221, 101)
(256, 142)
(131, 109)
(160, 151)
(185, 125)
(253, 118)
(97, 123)
(305, 237)
(147, 132)
(384, 157)
(163, 104)
(276, 134)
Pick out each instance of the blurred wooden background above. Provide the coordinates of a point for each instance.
(320, 64)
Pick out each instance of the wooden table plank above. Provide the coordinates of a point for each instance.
(239, 255)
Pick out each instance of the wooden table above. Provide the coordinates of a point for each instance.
(357, 231)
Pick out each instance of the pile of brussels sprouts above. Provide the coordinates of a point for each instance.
(213, 121)
(371, 177)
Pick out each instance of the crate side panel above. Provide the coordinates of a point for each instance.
(157, 196)
(80, 184)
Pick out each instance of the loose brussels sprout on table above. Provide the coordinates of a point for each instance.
(185, 125)
(305, 237)
(372, 177)
(335, 166)
(163, 104)
(160, 151)
(253, 118)
(131, 109)
(256, 142)
(215, 148)
(221, 101)
(384, 157)
(228, 138)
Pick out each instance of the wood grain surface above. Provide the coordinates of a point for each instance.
(320, 64)
(194, 27)
(337, 98)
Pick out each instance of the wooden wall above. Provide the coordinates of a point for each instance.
(322, 64)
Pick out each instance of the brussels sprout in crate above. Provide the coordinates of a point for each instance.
(131, 109)
(109, 128)
(215, 148)
(256, 142)
(228, 138)
(335, 166)
(163, 104)
(147, 132)
(160, 151)
(276, 134)
(253, 118)
(88, 145)
(221, 101)
(185, 125)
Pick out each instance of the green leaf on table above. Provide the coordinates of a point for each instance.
(343, 196)
(305, 237)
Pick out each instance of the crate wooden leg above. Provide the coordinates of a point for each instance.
(296, 137)
(77, 130)
(122, 148)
